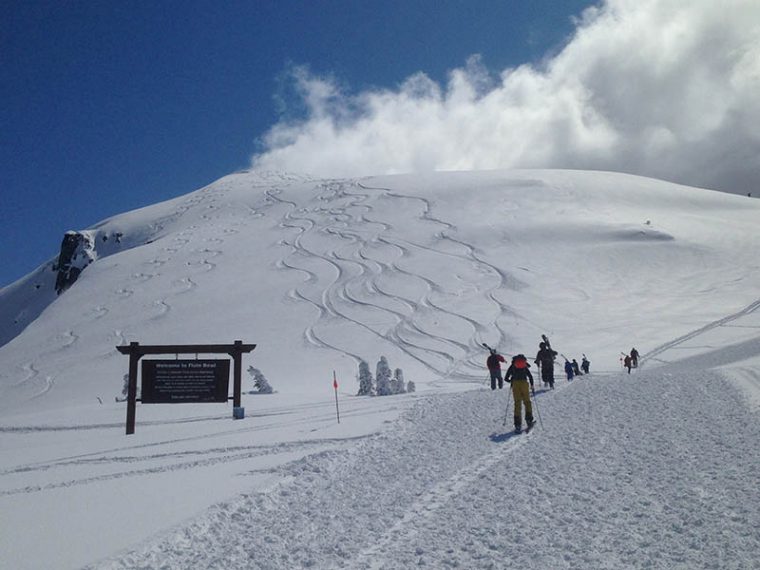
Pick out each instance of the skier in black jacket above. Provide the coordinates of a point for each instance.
(518, 375)
(545, 360)
(494, 368)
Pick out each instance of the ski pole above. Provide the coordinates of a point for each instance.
(506, 411)
(538, 412)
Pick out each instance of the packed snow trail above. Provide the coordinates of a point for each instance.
(653, 470)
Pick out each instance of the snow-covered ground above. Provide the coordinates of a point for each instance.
(450, 486)
(653, 470)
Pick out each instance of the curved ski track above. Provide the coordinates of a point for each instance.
(352, 259)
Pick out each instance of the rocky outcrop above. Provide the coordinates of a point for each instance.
(81, 248)
(77, 252)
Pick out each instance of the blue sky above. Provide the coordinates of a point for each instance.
(110, 106)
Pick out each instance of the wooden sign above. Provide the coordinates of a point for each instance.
(136, 351)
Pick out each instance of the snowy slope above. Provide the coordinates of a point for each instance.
(451, 487)
(421, 269)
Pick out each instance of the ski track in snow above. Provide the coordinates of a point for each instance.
(98, 312)
(120, 338)
(33, 382)
(68, 339)
(505, 280)
(200, 458)
(162, 309)
(185, 284)
(570, 495)
(346, 284)
(48, 385)
(652, 354)
(171, 455)
(124, 292)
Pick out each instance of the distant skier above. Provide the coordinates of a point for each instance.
(545, 360)
(568, 370)
(494, 367)
(585, 364)
(627, 362)
(576, 368)
(634, 358)
(518, 376)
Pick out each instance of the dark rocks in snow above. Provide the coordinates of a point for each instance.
(116, 236)
(77, 252)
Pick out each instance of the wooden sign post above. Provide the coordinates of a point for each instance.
(186, 381)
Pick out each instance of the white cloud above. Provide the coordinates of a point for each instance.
(663, 88)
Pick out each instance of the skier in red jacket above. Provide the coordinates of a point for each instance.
(494, 367)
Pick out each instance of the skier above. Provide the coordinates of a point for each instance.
(545, 360)
(627, 362)
(494, 367)
(568, 370)
(634, 358)
(585, 364)
(518, 376)
(576, 368)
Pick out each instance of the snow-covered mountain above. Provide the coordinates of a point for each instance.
(422, 269)
(321, 274)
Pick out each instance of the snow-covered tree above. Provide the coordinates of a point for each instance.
(366, 381)
(125, 390)
(383, 377)
(397, 384)
(260, 383)
(410, 387)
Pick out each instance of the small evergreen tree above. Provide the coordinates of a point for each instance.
(383, 377)
(410, 387)
(260, 383)
(125, 390)
(366, 381)
(397, 384)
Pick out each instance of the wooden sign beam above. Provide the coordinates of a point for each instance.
(136, 351)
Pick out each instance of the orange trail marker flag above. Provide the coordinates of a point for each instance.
(335, 386)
